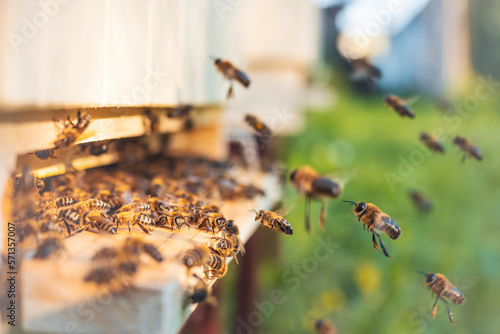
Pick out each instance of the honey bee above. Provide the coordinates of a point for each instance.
(116, 275)
(273, 221)
(420, 201)
(223, 246)
(374, 219)
(151, 122)
(231, 73)
(196, 256)
(136, 245)
(364, 70)
(469, 149)
(99, 221)
(132, 218)
(256, 124)
(68, 133)
(212, 220)
(324, 327)
(45, 154)
(309, 183)
(171, 218)
(49, 247)
(431, 142)
(399, 105)
(93, 148)
(443, 288)
(232, 230)
(179, 111)
(216, 266)
(91, 205)
(106, 253)
(199, 293)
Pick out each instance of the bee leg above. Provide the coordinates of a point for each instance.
(386, 253)
(230, 93)
(308, 214)
(322, 215)
(450, 315)
(434, 307)
(375, 245)
(145, 230)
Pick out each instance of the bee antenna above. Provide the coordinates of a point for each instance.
(350, 202)
(420, 272)
(253, 210)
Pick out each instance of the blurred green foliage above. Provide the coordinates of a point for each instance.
(358, 288)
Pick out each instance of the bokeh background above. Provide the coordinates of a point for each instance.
(441, 51)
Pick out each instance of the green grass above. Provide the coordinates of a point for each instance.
(359, 289)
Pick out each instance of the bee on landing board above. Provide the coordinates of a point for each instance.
(196, 256)
(309, 183)
(442, 288)
(374, 219)
(274, 221)
(399, 105)
(469, 149)
(68, 132)
(231, 73)
(49, 247)
(45, 154)
(324, 327)
(431, 142)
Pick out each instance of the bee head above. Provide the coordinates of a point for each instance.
(319, 324)
(217, 61)
(430, 278)
(293, 174)
(359, 207)
(458, 140)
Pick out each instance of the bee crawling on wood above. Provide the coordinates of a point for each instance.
(140, 219)
(468, 148)
(216, 266)
(196, 256)
(443, 288)
(230, 72)
(50, 247)
(223, 245)
(171, 218)
(99, 221)
(45, 154)
(374, 219)
(93, 148)
(136, 245)
(116, 275)
(69, 132)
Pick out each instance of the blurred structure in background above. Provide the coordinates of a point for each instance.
(420, 46)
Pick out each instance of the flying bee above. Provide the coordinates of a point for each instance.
(257, 125)
(374, 219)
(45, 154)
(91, 205)
(274, 221)
(196, 256)
(179, 111)
(231, 73)
(99, 221)
(171, 218)
(216, 266)
(443, 288)
(49, 247)
(93, 148)
(131, 219)
(68, 133)
(137, 245)
(363, 69)
(420, 201)
(469, 149)
(399, 105)
(324, 327)
(212, 220)
(431, 142)
(309, 183)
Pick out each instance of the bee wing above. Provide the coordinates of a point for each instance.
(467, 283)
(285, 208)
(411, 100)
(126, 197)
